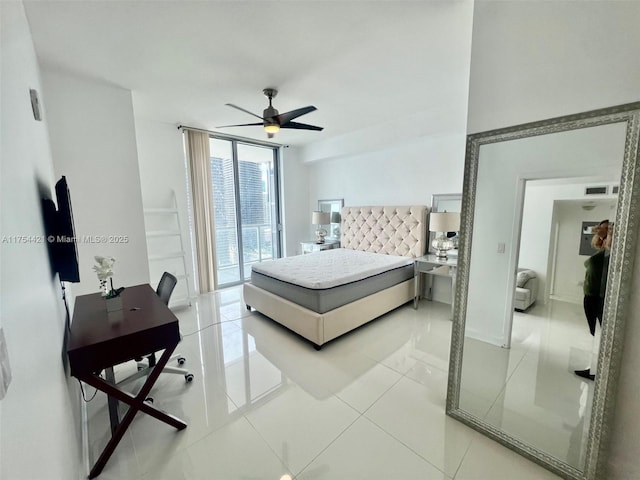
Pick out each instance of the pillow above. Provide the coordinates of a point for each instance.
(523, 277)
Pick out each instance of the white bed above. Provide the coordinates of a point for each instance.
(394, 231)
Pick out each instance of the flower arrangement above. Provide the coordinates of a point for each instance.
(104, 270)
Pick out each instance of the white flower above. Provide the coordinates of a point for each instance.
(104, 267)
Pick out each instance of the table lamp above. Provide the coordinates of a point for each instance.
(320, 218)
(441, 223)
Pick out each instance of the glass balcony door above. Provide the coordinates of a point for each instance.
(245, 205)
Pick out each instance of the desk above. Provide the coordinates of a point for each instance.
(99, 340)
(433, 265)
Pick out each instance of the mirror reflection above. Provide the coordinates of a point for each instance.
(526, 387)
(537, 235)
(333, 207)
(446, 203)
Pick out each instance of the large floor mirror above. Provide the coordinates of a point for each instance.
(522, 349)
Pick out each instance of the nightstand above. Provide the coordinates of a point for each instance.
(308, 247)
(433, 265)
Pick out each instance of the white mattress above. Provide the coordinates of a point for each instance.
(330, 268)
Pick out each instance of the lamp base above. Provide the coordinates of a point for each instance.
(320, 234)
(441, 254)
(442, 245)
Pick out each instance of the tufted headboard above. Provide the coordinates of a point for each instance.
(389, 230)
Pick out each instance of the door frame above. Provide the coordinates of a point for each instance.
(276, 222)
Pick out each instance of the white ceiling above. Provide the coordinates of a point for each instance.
(361, 63)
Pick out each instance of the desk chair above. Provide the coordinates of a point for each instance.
(165, 289)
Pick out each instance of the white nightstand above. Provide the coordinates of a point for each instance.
(433, 265)
(308, 247)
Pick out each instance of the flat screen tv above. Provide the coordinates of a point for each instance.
(64, 249)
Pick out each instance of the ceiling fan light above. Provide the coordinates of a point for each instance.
(272, 128)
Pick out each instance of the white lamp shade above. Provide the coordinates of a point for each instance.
(320, 218)
(444, 222)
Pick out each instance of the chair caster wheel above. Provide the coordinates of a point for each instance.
(181, 360)
(189, 377)
(149, 400)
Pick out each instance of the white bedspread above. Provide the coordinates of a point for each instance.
(330, 268)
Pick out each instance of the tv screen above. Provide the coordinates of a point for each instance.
(64, 247)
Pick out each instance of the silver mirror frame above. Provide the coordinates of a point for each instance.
(618, 288)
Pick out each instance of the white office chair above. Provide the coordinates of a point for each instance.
(165, 289)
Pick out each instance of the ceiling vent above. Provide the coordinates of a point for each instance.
(597, 190)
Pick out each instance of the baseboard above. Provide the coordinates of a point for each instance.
(481, 336)
(567, 298)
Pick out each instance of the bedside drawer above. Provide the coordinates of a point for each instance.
(308, 247)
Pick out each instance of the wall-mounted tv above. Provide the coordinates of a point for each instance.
(61, 234)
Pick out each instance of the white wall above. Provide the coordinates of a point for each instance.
(570, 269)
(93, 144)
(537, 232)
(536, 60)
(40, 416)
(161, 161)
(402, 174)
(296, 206)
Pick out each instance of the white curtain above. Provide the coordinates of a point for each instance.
(197, 147)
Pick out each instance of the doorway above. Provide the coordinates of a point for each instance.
(244, 179)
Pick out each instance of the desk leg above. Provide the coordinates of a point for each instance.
(135, 404)
(114, 416)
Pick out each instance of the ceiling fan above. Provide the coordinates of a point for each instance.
(272, 121)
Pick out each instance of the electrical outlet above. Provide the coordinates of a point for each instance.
(501, 247)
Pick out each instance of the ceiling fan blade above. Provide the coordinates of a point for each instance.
(300, 126)
(298, 112)
(243, 110)
(242, 125)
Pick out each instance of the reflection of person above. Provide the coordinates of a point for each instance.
(595, 281)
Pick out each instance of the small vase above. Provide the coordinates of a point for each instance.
(114, 304)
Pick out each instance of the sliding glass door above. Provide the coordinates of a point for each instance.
(245, 205)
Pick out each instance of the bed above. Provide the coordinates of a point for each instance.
(323, 295)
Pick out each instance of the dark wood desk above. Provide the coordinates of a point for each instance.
(99, 340)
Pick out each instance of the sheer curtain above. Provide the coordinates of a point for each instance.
(197, 147)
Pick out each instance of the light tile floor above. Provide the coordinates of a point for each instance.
(530, 390)
(265, 405)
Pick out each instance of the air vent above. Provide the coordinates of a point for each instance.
(596, 190)
(614, 189)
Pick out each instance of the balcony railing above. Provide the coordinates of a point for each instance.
(257, 241)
